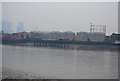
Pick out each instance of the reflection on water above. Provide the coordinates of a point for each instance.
(61, 63)
(0, 61)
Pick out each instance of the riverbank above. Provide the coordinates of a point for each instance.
(15, 74)
(77, 47)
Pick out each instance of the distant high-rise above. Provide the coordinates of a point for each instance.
(6, 27)
(20, 27)
(0, 26)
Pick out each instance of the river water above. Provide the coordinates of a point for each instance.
(60, 63)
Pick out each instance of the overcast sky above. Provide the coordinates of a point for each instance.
(61, 16)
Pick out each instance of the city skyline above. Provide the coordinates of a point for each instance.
(7, 28)
(53, 16)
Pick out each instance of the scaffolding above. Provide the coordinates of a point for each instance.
(97, 28)
(96, 31)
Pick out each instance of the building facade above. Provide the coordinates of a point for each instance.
(20, 27)
(85, 36)
(53, 35)
(7, 27)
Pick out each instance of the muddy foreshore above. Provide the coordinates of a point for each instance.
(14, 74)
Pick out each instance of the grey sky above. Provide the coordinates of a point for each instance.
(61, 16)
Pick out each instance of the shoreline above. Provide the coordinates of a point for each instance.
(77, 47)
(15, 74)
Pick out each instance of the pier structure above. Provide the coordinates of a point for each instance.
(67, 43)
(59, 43)
(55, 43)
